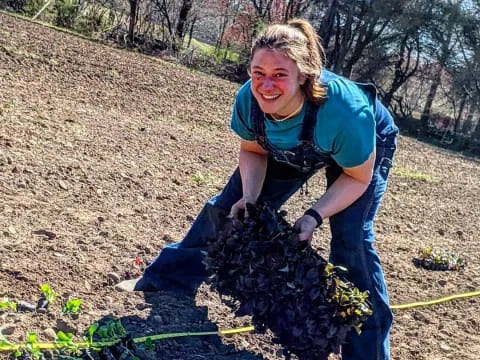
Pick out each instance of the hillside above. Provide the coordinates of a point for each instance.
(106, 155)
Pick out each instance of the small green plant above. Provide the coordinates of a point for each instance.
(112, 330)
(65, 342)
(31, 345)
(149, 344)
(8, 305)
(91, 331)
(73, 306)
(48, 293)
(432, 258)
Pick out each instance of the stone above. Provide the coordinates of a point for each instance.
(24, 306)
(7, 329)
(50, 334)
(113, 278)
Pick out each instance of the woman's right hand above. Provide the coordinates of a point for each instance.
(240, 207)
(253, 167)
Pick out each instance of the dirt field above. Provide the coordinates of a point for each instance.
(107, 155)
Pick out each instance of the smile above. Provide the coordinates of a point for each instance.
(270, 97)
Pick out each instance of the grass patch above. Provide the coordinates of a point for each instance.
(411, 175)
(210, 51)
(205, 179)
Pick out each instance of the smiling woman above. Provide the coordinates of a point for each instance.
(294, 118)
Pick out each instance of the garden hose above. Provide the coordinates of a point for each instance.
(51, 346)
(436, 301)
(46, 346)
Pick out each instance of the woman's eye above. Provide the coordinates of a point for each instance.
(280, 75)
(257, 73)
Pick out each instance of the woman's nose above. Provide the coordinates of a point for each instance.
(267, 84)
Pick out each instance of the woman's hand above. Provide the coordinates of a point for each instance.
(305, 226)
(253, 168)
(241, 207)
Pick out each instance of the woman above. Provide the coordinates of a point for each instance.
(293, 121)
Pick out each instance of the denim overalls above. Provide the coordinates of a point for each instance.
(179, 265)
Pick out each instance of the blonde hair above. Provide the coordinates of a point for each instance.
(298, 40)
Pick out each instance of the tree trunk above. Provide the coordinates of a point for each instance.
(401, 71)
(468, 123)
(191, 31)
(424, 119)
(458, 119)
(326, 28)
(182, 19)
(133, 19)
(346, 36)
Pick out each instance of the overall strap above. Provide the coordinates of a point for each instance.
(309, 123)
(258, 120)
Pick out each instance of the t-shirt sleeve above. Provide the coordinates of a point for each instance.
(346, 128)
(355, 142)
(240, 122)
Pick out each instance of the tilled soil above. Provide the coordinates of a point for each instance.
(107, 155)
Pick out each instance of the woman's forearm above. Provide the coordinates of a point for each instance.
(340, 195)
(253, 168)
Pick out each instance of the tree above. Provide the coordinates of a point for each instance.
(446, 18)
(407, 45)
(353, 26)
(134, 7)
(183, 18)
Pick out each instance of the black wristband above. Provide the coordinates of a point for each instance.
(314, 213)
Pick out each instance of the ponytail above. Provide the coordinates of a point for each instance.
(313, 89)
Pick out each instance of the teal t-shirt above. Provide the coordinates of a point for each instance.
(345, 127)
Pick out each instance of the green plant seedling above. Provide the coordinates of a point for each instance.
(149, 344)
(8, 305)
(31, 345)
(111, 331)
(91, 331)
(48, 293)
(64, 340)
(73, 306)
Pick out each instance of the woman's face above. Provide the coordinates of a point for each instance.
(276, 82)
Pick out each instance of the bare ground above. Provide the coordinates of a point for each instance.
(115, 153)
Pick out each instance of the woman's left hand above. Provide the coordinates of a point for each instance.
(305, 226)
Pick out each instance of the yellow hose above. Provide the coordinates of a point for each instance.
(437, 301)
(43, 346)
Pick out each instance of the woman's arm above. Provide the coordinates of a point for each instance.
(349, 186)
(253, 168)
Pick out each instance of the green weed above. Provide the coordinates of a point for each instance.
(48, 293)
(205, 179)
(8, 305)
(31, 345)
(73, 306)
(408, 174)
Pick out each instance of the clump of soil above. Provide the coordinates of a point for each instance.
(284, 284)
